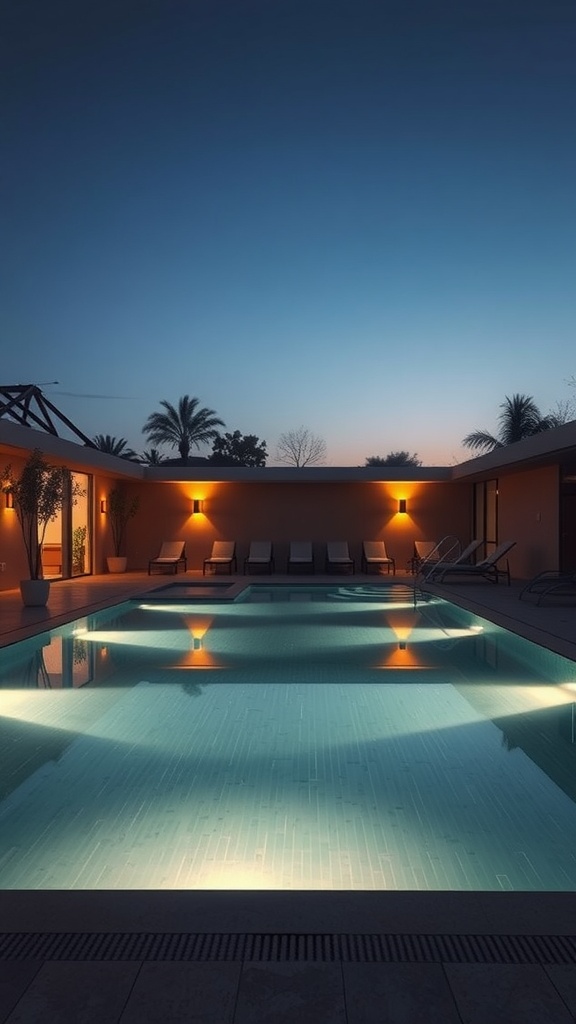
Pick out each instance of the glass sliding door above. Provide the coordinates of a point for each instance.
(486, 514)
(67, 547)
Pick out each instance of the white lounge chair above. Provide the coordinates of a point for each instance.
(374, 553)
(172, 554)
(338, 556)
(424, 551)
(260, 555)
(487, 568)
(223, 554)
(300, 555)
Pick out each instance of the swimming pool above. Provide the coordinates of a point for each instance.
(297, 737)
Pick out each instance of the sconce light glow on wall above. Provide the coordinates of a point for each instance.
(197, 643)
(402, 506)
(103, 507)
(9, 498)
(197, 506)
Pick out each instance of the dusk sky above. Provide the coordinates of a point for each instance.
(354, 215)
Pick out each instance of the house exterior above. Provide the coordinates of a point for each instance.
(525, 492)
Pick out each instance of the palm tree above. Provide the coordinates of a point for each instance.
(152, 457)
(520, 418)
(114, 446)
(183, 427)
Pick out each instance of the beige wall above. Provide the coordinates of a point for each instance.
(528, 513)
(295, 511)
(352, 511)
(12, 550)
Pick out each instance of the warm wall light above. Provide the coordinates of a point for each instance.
(9, 499)
(103, 505)
(197, 506)
(197, 643)
(402, 505)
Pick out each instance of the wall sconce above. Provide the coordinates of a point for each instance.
(402, 505)
(103, 506)
(402, 645)
(9, 498)
(197, 506)
(197, 643)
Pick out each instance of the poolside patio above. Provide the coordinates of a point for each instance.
(242, 957)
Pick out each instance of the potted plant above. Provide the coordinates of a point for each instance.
(121, 509)
(78, 550)
(38, 494)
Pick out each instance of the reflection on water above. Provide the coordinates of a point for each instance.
(48, 662)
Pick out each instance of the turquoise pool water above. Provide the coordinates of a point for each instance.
(295, 738)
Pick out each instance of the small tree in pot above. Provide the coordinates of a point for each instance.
(121, 509)
(38, 494)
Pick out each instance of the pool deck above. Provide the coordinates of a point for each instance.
(123, 957)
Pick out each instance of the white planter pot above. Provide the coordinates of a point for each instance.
(117, 563)
(34, 592)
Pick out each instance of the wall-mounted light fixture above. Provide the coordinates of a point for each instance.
(197, 506)
(197, 643)
(9, 498)
(103, 506)
(402, 505)
(402, 645)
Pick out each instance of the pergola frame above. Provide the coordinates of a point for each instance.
(27, 405)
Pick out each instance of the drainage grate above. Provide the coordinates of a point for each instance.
(457, 949)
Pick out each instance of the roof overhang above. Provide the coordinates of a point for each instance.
(22, 440)
(292, 474)
(550, 447)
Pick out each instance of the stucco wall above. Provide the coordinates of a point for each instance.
(528, 514)
(319, 511)
(290, 511)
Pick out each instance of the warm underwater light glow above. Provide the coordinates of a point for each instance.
(239, 876)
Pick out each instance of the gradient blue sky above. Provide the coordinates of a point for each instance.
(355, 215)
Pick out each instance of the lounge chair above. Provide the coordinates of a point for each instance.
(486, 569)
(431, 569)
(260, 556)
(427, 551)
(223, 554)
(172, 554)
(552, 581)
(338, 556)
(300, 555)
(374, 553)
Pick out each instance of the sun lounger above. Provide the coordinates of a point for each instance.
(374, 554)
(432, 569)
(223, 554)
(338, 556)
(300, 555)
(172, 554)
(425, 551)
(260, 556)
(551, 582)
(486, 569)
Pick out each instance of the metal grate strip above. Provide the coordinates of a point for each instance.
(248, 947)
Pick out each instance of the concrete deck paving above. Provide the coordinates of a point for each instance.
(243, 957)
